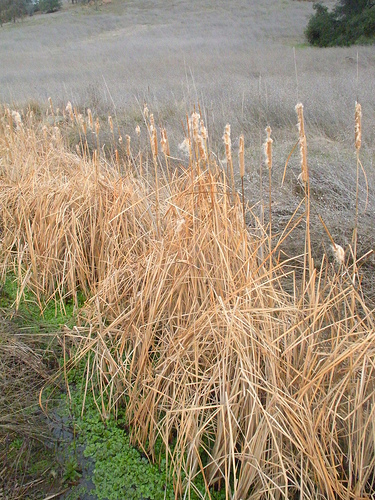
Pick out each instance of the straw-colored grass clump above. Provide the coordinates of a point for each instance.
(255, 379)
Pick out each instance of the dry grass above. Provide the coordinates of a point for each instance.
(255, 371)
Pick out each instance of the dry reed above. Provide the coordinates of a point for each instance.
(248, 385)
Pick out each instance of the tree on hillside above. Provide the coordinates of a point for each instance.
(49, 6)
(353, 7)
(351, 21)
(11, 10)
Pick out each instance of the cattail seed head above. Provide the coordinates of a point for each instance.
(138, 130)
(128, 145)
(358, 126)
(302, 143)
(90, 119)
(195, 122)
(145, 111)
(97, 126)
(339, 253)
(51, 105)
(69, 109)
(228, 143)
(164, 142)
(17, 120)
(268, 147)
(154, 137)
(201, 147)
(110, 122)
(185, 146)
(203, 131)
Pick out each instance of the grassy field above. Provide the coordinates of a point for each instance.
(228, 279)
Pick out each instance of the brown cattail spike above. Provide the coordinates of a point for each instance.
(358, 126)
(164, 142)
(302, 143)
(110, 122)
(97, 126)
(90, 119)
(128, 152)
(339, 253)
(268, 148)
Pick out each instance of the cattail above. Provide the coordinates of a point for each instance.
(97, 126)
(154, 137)
(51, 105)
(69, 110)
(302, 143)
(358, 126)
(110, 122)
(90, 119)
(203, 131)
(339, 253)
(138, 130)
(145, 110)
(195, 122)
(201, 147)
(17, 120)
(228, 143)
(128, 145)
(268, 148)
(241, 155)
(164, 142)
(185, 146)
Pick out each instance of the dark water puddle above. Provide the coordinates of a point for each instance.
(79, 469)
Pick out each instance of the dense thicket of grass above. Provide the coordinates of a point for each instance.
(254, 370)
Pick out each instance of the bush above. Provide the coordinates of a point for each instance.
(345, 25)
(49, 6)
(322, 27)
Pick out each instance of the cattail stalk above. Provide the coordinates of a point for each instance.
(241, 157)
(268, 153)
(305, 180)
(228, 154)
(358, 144)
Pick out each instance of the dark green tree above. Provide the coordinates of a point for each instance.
(351, 21)
(49, 6)
(11, 10)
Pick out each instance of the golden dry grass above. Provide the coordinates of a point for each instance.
(256, 374)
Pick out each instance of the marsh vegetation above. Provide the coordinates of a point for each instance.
(223, 284)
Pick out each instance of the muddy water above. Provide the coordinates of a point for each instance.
(68, 451)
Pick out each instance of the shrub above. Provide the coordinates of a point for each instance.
(346, 24)
(49, 6)
(322, 27)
